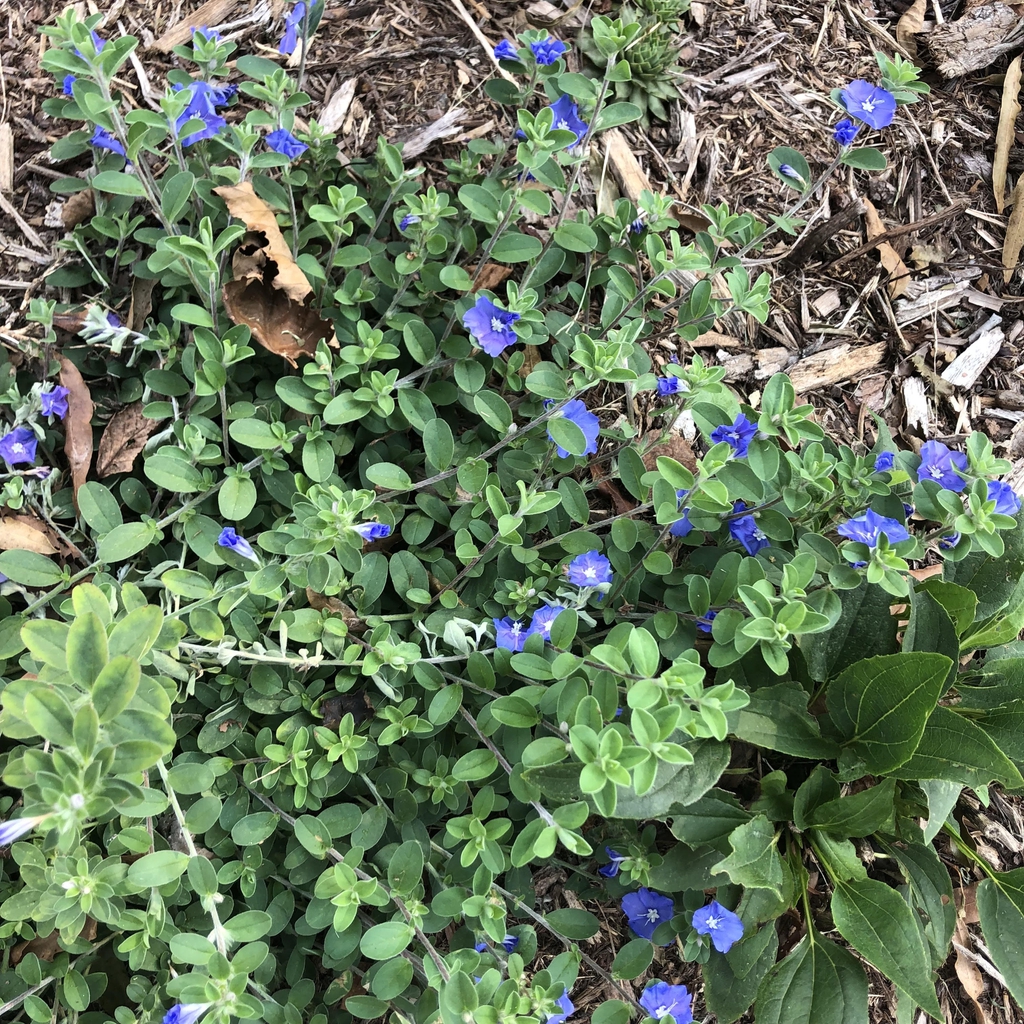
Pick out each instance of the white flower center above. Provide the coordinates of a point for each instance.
(935, 472)
(713, 922)
(661, 1011)
(498, 325)
(868, 105)
(18, 448)
(652, 915)
(563, 125)
(590, 573)
(517, 628)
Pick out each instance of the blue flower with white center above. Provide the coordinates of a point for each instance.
(509, 634)
(611, 869)
(745, 530)
(589, 570)
(884, 462)
(373, 531)
(185, 1013)
(845, 132)
(949, 541)
(543, 619)
(671, 386)
(724, 927)
(284, 142)
(940, 464)
(566, 1007)
(55, 401)
(409, 218)
(576, 412)
(292, 24)
(1007, 502)
(567, 118)
(667, 1002)
(12, 830)
(738, 435)
(508, 943)
(506, 51)
(203, 100)
(229, 539)
(868, 528)
(645, 909)
(705, 621)
(102, 139)
(490, 326)
(18, 447)
(548, 50)
(869, 103)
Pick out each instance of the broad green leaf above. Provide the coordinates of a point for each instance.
(87, 649)
(123, 542)
(50, 715)
(876, 921)
(405, 868)
(30, 568)
(991, 580)
(858, 814)
(173, 474)
(754, 862)
(709, 820)
(864, 159)
(731, 980)
(1001, 909)
(384, 941)
(931, 893)
(942, 797)
(47, 641)
(573, 924)
(777, 718)
(633, 959)
(156, 869)
(931, 629)
(513, 247)
(880, 705)
(960, 603)
(99, 508)
(818, 983)
(118, 183)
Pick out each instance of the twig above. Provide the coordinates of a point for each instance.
(902, 229)
(481, 38)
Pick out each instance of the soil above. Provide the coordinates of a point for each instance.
(865, 328)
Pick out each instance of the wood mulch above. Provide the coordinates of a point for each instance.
(897, 275)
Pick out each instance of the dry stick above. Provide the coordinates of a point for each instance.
(903, 229)
(481, 38)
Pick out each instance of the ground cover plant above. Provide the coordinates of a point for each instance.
(349, 655)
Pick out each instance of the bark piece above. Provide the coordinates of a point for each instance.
(212, 13)
(843, 362)
(969, 365)
(976, 40)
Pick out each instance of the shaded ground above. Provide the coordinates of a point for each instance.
(758, 75)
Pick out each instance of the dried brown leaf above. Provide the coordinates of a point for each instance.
(26, 533)
(77, 424)
(78, 208)
(72, 320)
(491, 276)
(289, 329)
(1009, 108)
(1014, 240)
(910, 25)
(674, 447)
(899, 275)
(46, 947)
(142, 303)
(970, 977)
(243, 203)
(124, 437)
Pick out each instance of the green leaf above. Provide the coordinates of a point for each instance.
(633, 959)
(122, 543)
(1001, 909)
(254, 828)
(50, 715)
(99, 507)
(876, 921)
(384, 941)
(405, 868)
(567, 435)
(156, 869)
(173, 474)
(512, 247)
(175, 190)
(118, 183)
(47, 641)
(784, 156)
(754, 862)
(777, 718)
(387, 474)
(439, 443)
(576, 237)
(615, 114)
(864, 159)
(931, 629)
(87, 648)
(931, 894)
(253, 433)
(186, 583)
(731, 981)
(991, 580)
(856, 815)
(574, 924)
(880, 705)
(955, 749)
(818, 983)
(942, 797)
(29, 568)
(960, 604)
(237, 497)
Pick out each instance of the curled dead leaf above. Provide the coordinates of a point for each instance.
(1014, 239)
(27, 533)
(320, 602)
(491, 276)
(71, 320)
(899, 275)
(124, 437)
(1009, 108)
(77, 424)
(911, 23)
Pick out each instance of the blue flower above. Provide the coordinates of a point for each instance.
(69, 81)
(576, 412)
(508, 943)
(548, 51)
(869, 103)
(210, 35)
(671, 386)
(869, 527)
(739, 435)
(662, 1000)
(506, 51)
(185, 1013)
(908, 510)
(637, 226)
(1007, 502)
(845, 132)
(746, 531)
(490, 327)
(589, 570)
(645, 909)
(373, 531)
(567, 118)
(567, 1009)
(949, 541)
(940, 464)
(102, 139)
(509, 634)
(203, 100)
(790, 172)
(284, 142)
(19, 446)
(612, 869)
(292, 24)
(16, 827)
(722, 925)
(55, 402)
(682, 526)
(229, 539)
(884, 462)
(409, 218)
(543, 619)
(704, 622)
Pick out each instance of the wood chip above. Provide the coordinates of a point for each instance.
(624, 164)
(212, 13)
(6, 157)
(976, 40)
(1009, 108)
(77, 424)
(332, 116)
(969, 365)
(844, 362)
(421, 138)
(915, 402)
(827, 302)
